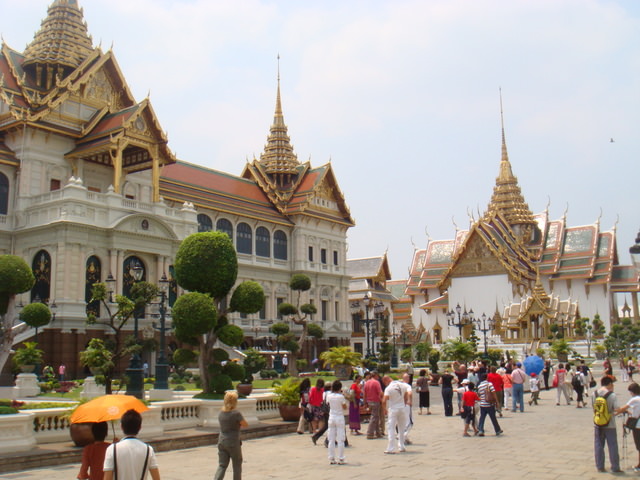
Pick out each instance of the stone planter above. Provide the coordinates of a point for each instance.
(290, 413)
(244, 389)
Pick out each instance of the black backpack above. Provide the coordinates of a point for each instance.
(575, 381)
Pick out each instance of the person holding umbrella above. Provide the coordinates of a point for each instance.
(130, 458)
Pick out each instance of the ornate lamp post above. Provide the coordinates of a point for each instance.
(135, 386)
(367, 302)
(459, 319)
(394, 355)
(485, 325)
(162, 366)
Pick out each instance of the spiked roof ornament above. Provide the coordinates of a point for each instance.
(507, 197)
(63, 39)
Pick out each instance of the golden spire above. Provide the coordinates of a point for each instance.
(507, 197)
(278, 159)
(61, 44)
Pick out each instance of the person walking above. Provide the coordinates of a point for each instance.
(354, 406)
(94, 453)
(632, 408)
(546, 371)
(498, 384)
(372, 399)
(422, 387)
(507, 387)
(559, 382)
(606, 433)
(518, 377)
(315, 400)
(469, 399)
(229, 443)
(488, 399)
(336, 433)
(578, 382)
(446, 382)
(396, 396)
(534, 387)
(130, 458)
(306, 415)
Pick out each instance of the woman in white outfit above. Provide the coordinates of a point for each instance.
(336, 434)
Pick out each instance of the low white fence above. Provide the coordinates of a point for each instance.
(21, 431)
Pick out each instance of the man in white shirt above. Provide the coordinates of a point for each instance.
(130, 458)
(396, 396)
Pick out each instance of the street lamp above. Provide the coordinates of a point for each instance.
(367, 302)
(162, 366)
(459, 321)
(394, 356)
(484, 324)
(135, 386)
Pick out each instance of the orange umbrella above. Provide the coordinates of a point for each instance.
(106, 407)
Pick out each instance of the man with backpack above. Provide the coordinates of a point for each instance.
(604, 408)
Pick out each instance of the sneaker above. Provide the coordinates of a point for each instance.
(500, 432)
(481, 434)
(407, 441)
(402, 450)
(389, 452)
(341, 462)
(332, 462)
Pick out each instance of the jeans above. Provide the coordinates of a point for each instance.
(491, 411)
(518, 396)
(608, 436)
(447, 398)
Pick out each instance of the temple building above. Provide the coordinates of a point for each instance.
(529, 275)
(89, 189)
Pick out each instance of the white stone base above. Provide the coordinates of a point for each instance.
(16, 433)
(27, 385)
(91, 389)
(160, 394)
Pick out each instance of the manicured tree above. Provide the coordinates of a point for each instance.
(118, 316)
(15, 277)
(207, 265)
(299, 314)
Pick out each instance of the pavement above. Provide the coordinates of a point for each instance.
(544, 442)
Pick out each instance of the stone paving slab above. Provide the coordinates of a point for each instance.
(545, 442)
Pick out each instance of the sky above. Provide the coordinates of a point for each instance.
(402, 97)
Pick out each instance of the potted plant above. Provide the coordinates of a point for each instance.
(600, 351)
(560, 349)
(27, 357)
(97, 357)
(342, 359)
(253, 363)
(288, 398)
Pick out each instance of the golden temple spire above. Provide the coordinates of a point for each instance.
(278, 159)
(507, 197)
(61, 44)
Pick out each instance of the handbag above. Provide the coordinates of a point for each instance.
(630, 423)
(555, 381)
(592, 383)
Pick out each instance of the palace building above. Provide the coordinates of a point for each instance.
(528, 274)
(89, 188)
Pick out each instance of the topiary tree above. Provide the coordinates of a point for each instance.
(118, 316)
(15, 277)
(299, 314)
(207, 265)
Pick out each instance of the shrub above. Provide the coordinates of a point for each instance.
(268, 373)
(8, 410)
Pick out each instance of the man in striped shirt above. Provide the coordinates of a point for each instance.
(488, 399)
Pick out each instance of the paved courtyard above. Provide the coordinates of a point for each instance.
(544, 442)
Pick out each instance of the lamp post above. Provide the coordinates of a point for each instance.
(367, 302)
(135, 386)
(459, 319)
(162, 366)
(484, 324)
(394, 355)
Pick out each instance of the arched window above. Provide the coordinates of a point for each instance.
(4, 194)
(224, 225)
(263, 242)
(204, 223)
(128, 276)
(92, 275)
(41, 267)
(280, 245)
(244, 239)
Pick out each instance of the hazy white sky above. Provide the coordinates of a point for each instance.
(401, 96)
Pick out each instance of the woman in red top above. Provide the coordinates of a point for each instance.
(354, 406)
(315, 400)
(93, 454)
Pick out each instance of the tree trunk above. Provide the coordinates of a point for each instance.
(7, 334)
(202, 364)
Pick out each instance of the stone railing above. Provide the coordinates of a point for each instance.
(20, 432)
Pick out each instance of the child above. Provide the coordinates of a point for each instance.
(535, 388)
(93, 454)
(469, 399)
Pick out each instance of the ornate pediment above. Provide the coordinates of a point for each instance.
(477, 259)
